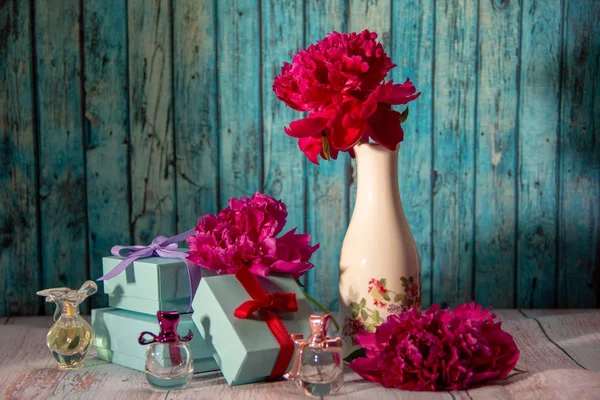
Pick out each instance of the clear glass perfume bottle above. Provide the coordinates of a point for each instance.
(318, 360)
(169, 362)
(71, 335)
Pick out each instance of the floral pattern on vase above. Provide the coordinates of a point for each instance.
(366, 312)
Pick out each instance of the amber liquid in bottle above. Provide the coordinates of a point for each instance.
(70, 338)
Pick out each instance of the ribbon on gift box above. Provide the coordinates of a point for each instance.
(268, 304)
(161, 246)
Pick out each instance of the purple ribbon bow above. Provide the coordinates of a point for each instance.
(161, 246)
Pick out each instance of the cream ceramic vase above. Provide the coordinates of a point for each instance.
(379, 262)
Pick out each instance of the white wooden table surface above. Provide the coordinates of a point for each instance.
(560, 358)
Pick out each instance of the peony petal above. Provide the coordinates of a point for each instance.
(306, 127)
(312, 147)
(396, 94)
(385, 127)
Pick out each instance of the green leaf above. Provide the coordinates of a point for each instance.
(355, 313)
(354, 305)
(403, 279)
(325, 145)
(364, 315)
(370, 328)
(398, 297)
(358, 353)
(383, 282)
(404, 115)
(363, 302)
(375, 316)
(411, 279)
(321, 308)
(386, 297)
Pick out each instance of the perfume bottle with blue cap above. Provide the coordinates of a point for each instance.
(169, 362)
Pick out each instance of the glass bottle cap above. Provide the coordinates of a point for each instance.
(168, 322)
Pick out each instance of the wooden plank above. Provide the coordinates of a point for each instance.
(538, 353)
(495, 193)
(61, 148)
(195, 109)
(542, 368)
(578, 335)
(284, 163)
(557, 384)
(579, 214)
(151, 120)
(373, 15)
(19, 224)
(537, 313)
(453, 151)
(107, 128)
(32, 373)
(240, 105)
(412, 49)
(538, 137)
(327, 184)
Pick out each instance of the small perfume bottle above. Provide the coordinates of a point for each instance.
(318, 359)
(169, 362)
(71, 335)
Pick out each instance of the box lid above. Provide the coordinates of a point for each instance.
(246, 349)
(154, 278)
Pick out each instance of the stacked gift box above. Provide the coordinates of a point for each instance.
(243, 348)
(135, 295)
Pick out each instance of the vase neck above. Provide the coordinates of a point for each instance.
(377, 175)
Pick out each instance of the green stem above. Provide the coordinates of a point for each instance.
(321, 308)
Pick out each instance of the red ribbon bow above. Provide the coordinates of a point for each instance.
(268, 303)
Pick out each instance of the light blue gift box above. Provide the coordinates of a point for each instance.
(116, 338)
(246, 349)
(149, 285)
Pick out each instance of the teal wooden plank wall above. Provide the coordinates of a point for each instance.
(122, 120)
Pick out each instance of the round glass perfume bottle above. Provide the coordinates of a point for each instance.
(169, 362)
(71, 335)
(318, 360)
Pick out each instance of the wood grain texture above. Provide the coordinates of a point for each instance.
(327, 184)
(153, 200)
(537, 352)
(412, 48)
(283, 162)
(19, 251)
(579, 214)
(107, 132)
(453, 152)
(538, 137)
(496, 146)
(376, 16)
(195, 109)
(61, 151)
(240, 103)
(578, 335)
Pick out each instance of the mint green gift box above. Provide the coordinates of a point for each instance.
(116, 338)
(245, 349)
(149, 285)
